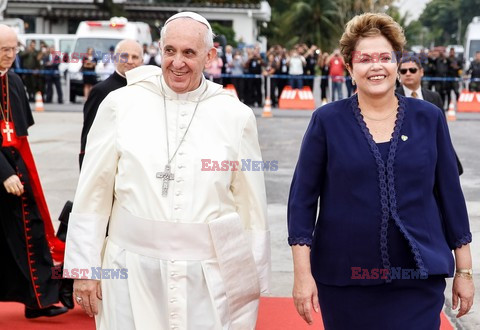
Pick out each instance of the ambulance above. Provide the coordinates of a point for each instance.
(62, 43)
(101, 36)
(472, 41)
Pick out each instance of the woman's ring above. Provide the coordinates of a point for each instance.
(79, 299)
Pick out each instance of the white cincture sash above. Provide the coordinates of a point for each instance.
(222, 238)
(160, 239)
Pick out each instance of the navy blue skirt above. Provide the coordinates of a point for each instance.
(400, 305)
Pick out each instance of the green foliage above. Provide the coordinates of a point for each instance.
(228, 32)
(443, 18)
(308, 21)
(220, 2)
(468, 9)
(319, 22)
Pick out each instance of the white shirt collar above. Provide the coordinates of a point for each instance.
(121, 75)
(408, 92)
(189, 96)
(2, 73)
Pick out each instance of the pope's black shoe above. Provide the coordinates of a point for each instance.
(49, 312)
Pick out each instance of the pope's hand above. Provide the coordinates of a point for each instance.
(87, 293)
(13, 185)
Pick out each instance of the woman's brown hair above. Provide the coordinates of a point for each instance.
(371, 25)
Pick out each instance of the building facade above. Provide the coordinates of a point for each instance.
(63, 16)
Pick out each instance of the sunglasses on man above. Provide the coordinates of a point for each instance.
(412, 70)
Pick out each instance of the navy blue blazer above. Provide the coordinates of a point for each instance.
(418, 188)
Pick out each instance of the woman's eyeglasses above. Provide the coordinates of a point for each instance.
(412, 70)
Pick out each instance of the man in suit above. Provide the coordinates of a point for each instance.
(53, 75)
(128, 55)
(411, 73)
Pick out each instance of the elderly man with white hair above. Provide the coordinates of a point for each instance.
(28, 246)
(188, 240)
(128, 55)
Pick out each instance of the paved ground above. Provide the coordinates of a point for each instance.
(55, 143)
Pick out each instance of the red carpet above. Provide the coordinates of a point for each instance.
(275, 314)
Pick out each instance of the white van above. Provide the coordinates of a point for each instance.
(101, 36)
(16, 24)
(62, 43)
(472, 41)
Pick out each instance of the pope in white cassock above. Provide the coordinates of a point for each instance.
(193, 244)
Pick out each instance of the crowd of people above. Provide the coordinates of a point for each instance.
(242, 67)
(299, 66)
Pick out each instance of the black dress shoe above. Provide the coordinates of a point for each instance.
(49, 312)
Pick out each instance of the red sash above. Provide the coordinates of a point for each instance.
(57, 247)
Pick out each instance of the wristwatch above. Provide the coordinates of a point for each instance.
(467, 271)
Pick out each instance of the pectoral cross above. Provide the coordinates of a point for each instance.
(166, 176)
(8, 131)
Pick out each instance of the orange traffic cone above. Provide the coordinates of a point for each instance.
(231, 89)
(39, 102)
(267, 108)
(451, 114)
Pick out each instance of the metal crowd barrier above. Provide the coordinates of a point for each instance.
(266, 80)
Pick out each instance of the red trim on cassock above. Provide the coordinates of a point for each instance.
(57, 247)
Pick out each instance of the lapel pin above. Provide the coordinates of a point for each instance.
(404, 138)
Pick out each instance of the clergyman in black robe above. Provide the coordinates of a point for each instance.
(127, 56)
(27, 240)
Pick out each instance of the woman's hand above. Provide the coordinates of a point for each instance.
(305, 296)
(464, 290)
(87, 293)
(13, 185)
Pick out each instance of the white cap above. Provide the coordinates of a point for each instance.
(192, 15)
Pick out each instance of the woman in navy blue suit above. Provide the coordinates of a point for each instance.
(382, 169)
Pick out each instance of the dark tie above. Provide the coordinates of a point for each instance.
(414, 95)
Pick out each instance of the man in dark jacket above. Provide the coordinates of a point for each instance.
(411, 73)
(128, 55)
(52, 76)
(474, 71)
(442, 65)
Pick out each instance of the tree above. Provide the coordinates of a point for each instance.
(319, 22)
(468, 9)
(441, 17)
(227, 32)
(308, 21)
